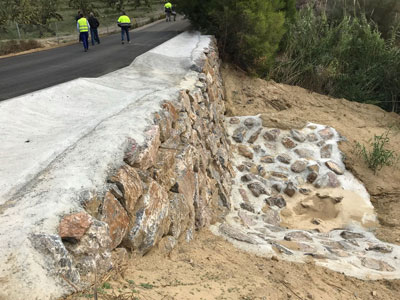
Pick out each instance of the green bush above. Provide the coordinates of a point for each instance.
(378, 156)
(348, 59)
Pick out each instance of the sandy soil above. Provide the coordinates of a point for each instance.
(211, 268)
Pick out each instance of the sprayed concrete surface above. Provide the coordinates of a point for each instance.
(278, 208)
(60, 143)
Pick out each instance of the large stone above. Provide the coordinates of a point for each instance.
(313, 168)
(326, 151)
(290, 189)
(312, 176)
(297, 135)
(164, 168)
(245, 151)
(236, 234)
(278, 201)
(238, 134)
(164, 121)
(131, 186)
(74, 226)
(326, 133)
(257, 189)
(247, 206)
(180, 214)
(271, 135)
(267, 159)
(351, 235)
(247, 178)
(334, 167)
(375, 264)
(288, 143)
(312, 137)
(151, 220)
(271, 217)
(254, 136)
(249, 122)
(304, 153)
(327, 180)
(298, 166)
(144, 156)
(114, 214)
(284, 158)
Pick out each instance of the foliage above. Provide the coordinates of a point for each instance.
(13, 46)
(378, 156)
(346, 59)
(84, 6)
(248, 31)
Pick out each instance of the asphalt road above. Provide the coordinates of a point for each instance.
(30, 72)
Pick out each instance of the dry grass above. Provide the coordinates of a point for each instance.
(14, 46)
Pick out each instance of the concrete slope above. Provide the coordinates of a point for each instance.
(27, 73)
(61, 142)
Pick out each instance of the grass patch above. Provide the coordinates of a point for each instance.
(14, 46)
(147, 286)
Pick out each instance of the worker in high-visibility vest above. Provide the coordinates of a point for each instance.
(125, 23)
(83, 29)
(168, 10)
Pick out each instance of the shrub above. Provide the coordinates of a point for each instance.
(14, 46)
(378, 156)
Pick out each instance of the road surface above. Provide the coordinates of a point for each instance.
(30, 72)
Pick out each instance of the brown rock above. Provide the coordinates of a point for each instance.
(284, 158)
(247, 206)
(245, 151)
(271, 135)
(304, 153)
(247, 178)
(298, 166)
(267, 159)
(313, 168)
(257, 189)
(249, 122)
(278, 201)
(74, 226)
(271, 217)
(236, 234)
(164, 121)
(130, 184)
(334, 167)
(327, 180)
(290, 189)
(297, 135)
(254, 136)
(234, 120)
(288, 143)
(376, 264)
(238, 134)
(312, 137)
(116, 217)
(312, 177)
(279, 175)
(351, 235)
(326, 151)
(326, 133)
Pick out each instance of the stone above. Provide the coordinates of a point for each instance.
(297, 135)
(351, 235)
(298, 166)
(234, 120)
(278, 187)
(312, 176)
(242, 168)
(238, 134)
(290, 189)
(257, 189)
(179, 214)
(164, 121)
(246, 219)
(271, 217)
(129, 183)
(261, 171)
(167, 244)
(376, 264)
(380, 248)
(245, 151)
(316, 221)
(298, 236)
(236, 234)
(246, 178)
(144, 156)
(271, 135)
(304, 191)
(164, 169)
(326, 151)
(284, 158)
(74, 226)
(288, 143)
(57, 259)
(114, 214)
(327, 180)
(279, 175)
(334, 167)
(254, 136)
(321, 143)
(249, 122)
(278, 201)
(267, 159)
(256, 148)
(326, 133)
(281, 249)
(150, 222)
(304, 153)
(243, 193)
(313, 168)
(247, 206)
(312, 137)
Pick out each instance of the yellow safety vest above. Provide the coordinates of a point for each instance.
(168, 5)
(124, 20)
(83, 27)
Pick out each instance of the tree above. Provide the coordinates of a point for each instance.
(85, 6)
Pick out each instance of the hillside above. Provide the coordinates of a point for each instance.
(211, 268)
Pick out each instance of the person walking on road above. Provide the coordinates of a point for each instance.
(125, 23)
(168, 11)
(83, 28)
(94, 24)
